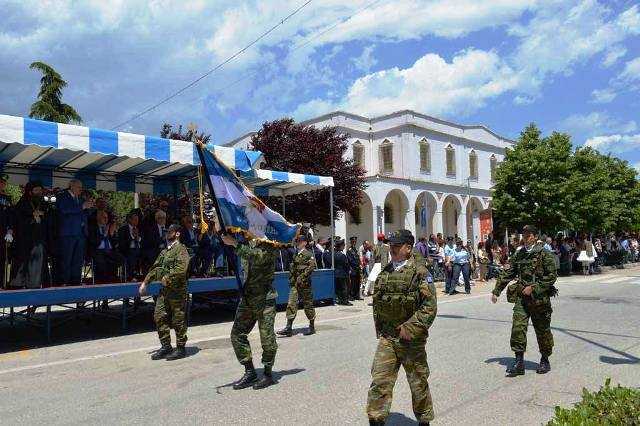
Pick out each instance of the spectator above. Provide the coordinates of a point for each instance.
(461, 264)
(71, 223)
(341, 271)
(208, 248)
(188, 235)
(318, 250)
(29, 252)
(421, 246)
(154, 239)
(129, 243)
(432, 246)
(483, 262)
(102, 249)
(450, 285)
(284, 258)
(355, 270)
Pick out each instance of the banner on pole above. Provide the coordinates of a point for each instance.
(240, 210)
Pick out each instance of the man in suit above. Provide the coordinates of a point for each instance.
(355, 270)
(72, 219)
(154, 239)
(188, 236)
(102, 248)
(129, 243)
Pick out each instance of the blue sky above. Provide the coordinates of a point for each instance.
(568, 65)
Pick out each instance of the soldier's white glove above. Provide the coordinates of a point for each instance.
(9, 237)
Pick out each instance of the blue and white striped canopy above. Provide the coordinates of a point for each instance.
(54, 153)
(275, 183)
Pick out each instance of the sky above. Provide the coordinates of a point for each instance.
(567, 65)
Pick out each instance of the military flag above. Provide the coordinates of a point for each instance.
(239, 210)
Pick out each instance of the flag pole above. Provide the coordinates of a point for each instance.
(236, 269)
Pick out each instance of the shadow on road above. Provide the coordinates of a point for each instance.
(277, 375)
(507, 361)
(398, 419)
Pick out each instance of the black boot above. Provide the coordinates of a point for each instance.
(517, 369)
(266, 380)
(423, 424)
(249, 377)
(376, 422)
(544, 366)
(287, 331)
(311, 330)
(162, 352)
(178, 352)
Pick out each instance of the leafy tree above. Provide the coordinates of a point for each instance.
(49, 105)
(293, 147)
(604, 191)
(531, 182)
(169, 132)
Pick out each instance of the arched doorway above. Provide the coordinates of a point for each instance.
(396, 206)
(360, 223)
(451, 209)
(474, 207)
(425, 210)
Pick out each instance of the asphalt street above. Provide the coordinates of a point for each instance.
(323, 379)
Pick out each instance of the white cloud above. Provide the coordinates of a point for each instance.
(523, 100)
(603, 96)
(366, 60)
(613, 54)
(596, 123)
(562, 34)
(431, 85)
(631, 71)
(616, 143)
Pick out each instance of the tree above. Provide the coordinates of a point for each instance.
(190, 135)
(605, 192)
(531, 182)
(49, 105)
(291, 147)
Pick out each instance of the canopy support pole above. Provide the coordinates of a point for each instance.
(284, 206)
(333, 228)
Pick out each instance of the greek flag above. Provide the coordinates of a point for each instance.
(239, 209)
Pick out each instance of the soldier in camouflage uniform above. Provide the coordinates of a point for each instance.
(535, 271)
(170, 268)
(258, 304)
(301, 269)
(404, 307)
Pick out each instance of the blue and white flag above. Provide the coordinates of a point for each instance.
(240, 210)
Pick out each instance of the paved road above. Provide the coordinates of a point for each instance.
(323, 379)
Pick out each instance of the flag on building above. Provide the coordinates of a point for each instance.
(240, 210)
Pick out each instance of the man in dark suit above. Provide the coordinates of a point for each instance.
(71, 220)
(154, 239)
(355, 270)
(188, 236)
(129, 243)
(102, 248)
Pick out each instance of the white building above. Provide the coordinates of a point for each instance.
(423, 174)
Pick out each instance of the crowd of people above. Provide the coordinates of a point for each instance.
(50, 241)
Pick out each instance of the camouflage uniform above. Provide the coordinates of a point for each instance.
(404, 297)
(381, 254)
(536, 268)
(173, 264)
(302, 266)
(258, 302)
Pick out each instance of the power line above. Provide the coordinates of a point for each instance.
(300, 46)
(226, 61)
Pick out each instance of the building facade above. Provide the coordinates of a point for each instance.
(422, 173)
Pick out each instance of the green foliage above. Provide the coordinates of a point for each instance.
(542, 182)
(531, 182)
(120, 203)
(49, 105)
(609, 406)
(14, 192)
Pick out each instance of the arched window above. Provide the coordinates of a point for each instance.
(425, 156)
(358, 154)
(355, 215)
(493, 164)
(451, 160)
(473, 165)
(388, 214)
(386, 157)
